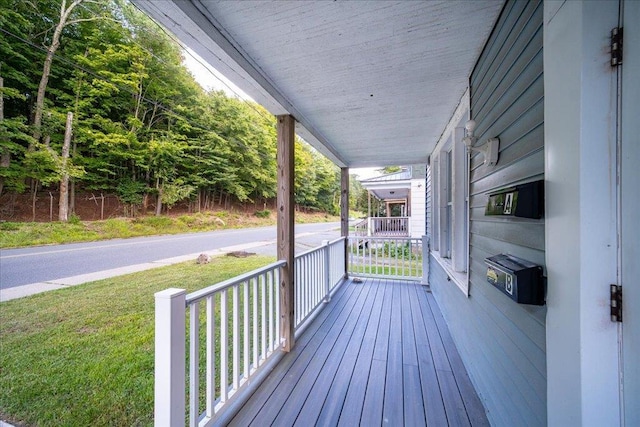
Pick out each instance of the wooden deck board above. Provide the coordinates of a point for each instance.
(300, 377)
(341, 304)
(354, 399)
(347, 374)
(393, 391)
(431, 395)
(379, 353)
(351, 336)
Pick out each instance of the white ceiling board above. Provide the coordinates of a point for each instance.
(371, 83)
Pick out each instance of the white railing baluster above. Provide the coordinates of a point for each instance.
(224, 354)
(211, 359)
(246, 356)
(276, 285)
(235, 342)
(271, 314)
(194, 363)
(254, 282)
(263, 323)
(327, 270)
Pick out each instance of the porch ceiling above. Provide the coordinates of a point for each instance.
(370, 83)
(388, 190)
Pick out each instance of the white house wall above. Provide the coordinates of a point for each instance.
(418, 219)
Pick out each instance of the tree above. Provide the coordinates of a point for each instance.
(63, 20)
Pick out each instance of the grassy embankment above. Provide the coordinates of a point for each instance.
(21, 234)
(84, 355)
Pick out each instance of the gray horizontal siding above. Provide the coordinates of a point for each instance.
(502, 343)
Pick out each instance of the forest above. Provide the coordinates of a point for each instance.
(95, 98)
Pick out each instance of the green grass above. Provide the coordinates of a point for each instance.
(84, 355)
(22, 234)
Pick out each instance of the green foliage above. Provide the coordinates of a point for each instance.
(131, 192)
(74, 219)
(142, 125)
(263, 214)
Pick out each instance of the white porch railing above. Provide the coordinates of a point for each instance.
(234, 338)
(361, 228)
(397, 257)
(389, 226)
(317, 273)
(396, 226)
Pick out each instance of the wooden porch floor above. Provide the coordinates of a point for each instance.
(378, 353)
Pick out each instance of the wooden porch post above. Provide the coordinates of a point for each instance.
(368, 203)
(285, 227)
(344, 215)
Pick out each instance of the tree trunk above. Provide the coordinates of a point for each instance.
(63, 203)
(34, 193)
(159, 200)
(5, 156)
(72, 196)
(65, 12)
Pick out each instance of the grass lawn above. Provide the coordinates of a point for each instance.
(21, 234)
(84, 355)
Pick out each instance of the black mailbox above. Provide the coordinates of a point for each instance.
(519, 279)
(525, 201)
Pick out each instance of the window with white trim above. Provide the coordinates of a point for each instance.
(450, 207)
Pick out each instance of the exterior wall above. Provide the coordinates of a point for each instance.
(502, 343)
(417, 223)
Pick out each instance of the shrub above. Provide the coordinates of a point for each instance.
(263, 214)
(74, 219)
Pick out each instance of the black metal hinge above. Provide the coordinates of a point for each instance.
(616, 303)
(616, 46)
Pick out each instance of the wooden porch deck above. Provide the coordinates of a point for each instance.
(379, 353)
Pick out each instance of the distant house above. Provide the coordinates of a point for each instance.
(396, 204)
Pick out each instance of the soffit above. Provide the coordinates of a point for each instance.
(370, 83)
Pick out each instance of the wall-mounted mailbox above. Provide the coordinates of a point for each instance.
(519, 279)
(525, 201)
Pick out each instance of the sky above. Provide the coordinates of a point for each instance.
(211, 79)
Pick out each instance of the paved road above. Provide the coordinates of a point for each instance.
(42, 264)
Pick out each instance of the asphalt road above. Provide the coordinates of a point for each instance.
(45, 263)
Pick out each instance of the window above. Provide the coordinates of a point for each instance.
(450, 205)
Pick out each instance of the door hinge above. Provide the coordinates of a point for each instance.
(616, 303)
(616, 46)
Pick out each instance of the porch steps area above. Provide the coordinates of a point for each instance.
(378, 353)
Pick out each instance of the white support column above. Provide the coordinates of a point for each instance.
(580, 211)
(169, 398)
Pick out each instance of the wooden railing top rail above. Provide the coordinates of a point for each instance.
(210, 290)
(319, 248)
